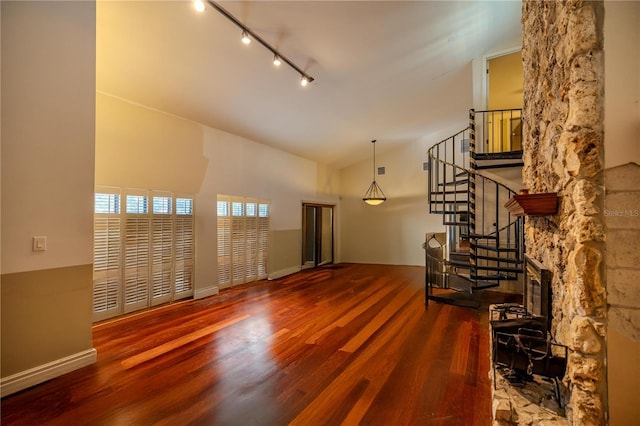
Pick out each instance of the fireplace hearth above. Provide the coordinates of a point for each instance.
(528, 365)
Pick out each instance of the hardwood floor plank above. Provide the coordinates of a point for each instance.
(350, 344)
(352, 312)
(162, 349)
(380, 319)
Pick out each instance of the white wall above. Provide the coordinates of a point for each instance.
(140, 147)
(393, 232)
(48, 97)
(48, 119)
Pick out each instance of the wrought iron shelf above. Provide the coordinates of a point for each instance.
(533, 204)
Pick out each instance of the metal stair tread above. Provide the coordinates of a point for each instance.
(477, 283)
(457, 191)
(479, 236)
(459, 263)
(454, 183)
(493, 248)
(500, 259)
(507, 155)
(499, 165)
(498, 268)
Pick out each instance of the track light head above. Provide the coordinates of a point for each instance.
(247, 35)
(245, 38)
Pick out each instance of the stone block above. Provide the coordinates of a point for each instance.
(585, 339)
(581, 35)
(587, 409)
(623, 178)
(625, 322)
(502, 410)
(623, 287)
(584, 151)
(622, 210)
(585, 281)
(622, 248)
(586, 197)
(586, 373)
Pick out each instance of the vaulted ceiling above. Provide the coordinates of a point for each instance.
(394, 71)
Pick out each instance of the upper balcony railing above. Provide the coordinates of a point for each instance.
(497, 130)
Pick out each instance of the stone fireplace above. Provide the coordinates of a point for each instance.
(563, 153)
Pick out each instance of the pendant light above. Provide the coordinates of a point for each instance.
(374, 195)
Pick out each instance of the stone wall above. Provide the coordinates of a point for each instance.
(563, 153)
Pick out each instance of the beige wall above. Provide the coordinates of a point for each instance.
(144, 148)
(48, 101)
(505, 81)
(393, 232)
(622, 82)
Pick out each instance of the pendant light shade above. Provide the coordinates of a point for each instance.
(374, 195)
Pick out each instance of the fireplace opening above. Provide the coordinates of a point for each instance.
(537, 292)
(522, 349)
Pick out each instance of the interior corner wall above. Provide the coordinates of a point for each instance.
(48, 131)
(393, 232)
(139, 147)
(622, 206)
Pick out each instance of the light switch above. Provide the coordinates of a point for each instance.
(39, 243)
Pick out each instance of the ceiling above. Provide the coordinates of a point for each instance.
(395, 71)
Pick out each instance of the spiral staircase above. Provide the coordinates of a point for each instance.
(483, 245)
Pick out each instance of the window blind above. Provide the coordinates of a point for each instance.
(243, 240)
(143, 249)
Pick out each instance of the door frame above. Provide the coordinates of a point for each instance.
(317, 258)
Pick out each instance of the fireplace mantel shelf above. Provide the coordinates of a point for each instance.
(533, 204)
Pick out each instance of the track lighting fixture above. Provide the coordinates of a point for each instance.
(247, 35)
(245, 38)
(374, 195)
(199, 5)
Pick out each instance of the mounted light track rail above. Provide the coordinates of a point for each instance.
(248, 34)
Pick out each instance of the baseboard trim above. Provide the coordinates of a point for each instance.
(206, 292)
(48, 371)
(284, 272)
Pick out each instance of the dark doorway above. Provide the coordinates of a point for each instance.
(317, 235)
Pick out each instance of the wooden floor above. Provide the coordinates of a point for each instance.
(348, 344)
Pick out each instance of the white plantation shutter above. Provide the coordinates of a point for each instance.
(136, 251)
(251, 237)
(184, 248)
(162, 249)
(243, 240)
(238, 242)
(263, 240)
(161, 270)
(143, 250)
(106, 254)
(224, 241)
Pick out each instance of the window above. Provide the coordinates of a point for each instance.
(184, 247)
(107, 273)
(243, 240)
(144, 256)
